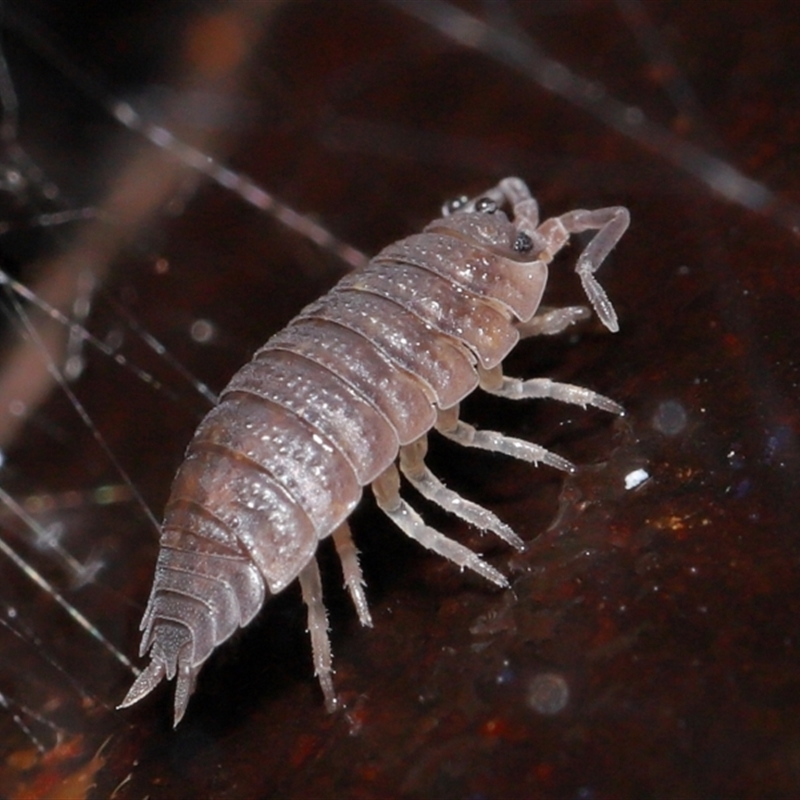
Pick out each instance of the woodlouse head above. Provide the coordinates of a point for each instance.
(486, 228)
(481, 220)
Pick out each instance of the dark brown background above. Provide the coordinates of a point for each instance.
(668, 614)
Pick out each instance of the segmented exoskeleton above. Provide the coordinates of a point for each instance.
(328, 405)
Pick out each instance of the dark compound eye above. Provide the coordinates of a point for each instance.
(523, 243)
(457, 204)
(485, 205)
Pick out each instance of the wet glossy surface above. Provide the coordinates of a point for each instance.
(650, 644)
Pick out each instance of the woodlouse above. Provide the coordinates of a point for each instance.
(328, 405)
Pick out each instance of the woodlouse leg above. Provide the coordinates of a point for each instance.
(494, 382)
(311, 586)
(551, 321)
(353, 577)
(386, 488)
(610, 224)
(412, 465)
(449, 425)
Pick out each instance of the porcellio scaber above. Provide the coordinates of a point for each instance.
(344, 397)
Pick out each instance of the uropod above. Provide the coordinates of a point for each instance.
(343, 398)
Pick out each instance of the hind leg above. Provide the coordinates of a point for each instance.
(353, 577)
(386, 488)
(413, 467)
(311, 586)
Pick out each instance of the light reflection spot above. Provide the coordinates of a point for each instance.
(548, 693)
(636, 478)
(670, 418)
(202, 331)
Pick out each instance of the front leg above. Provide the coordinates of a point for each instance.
(551, 321)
